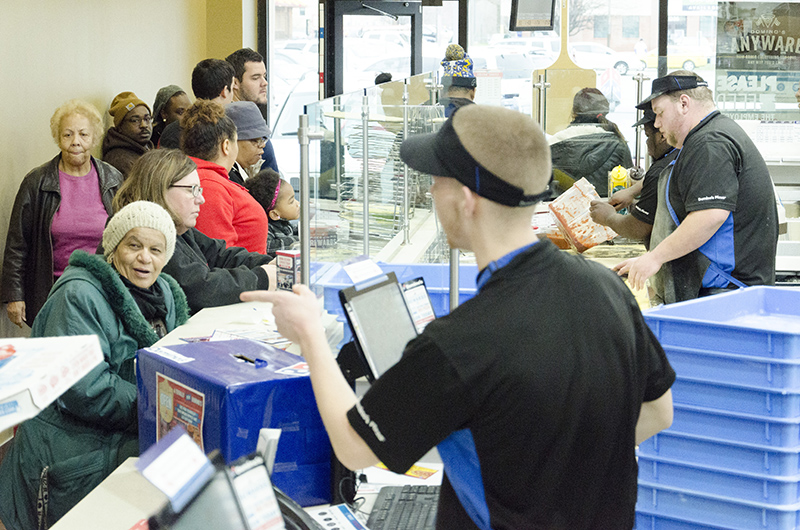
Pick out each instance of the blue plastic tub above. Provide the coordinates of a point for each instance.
(735, 369)
(758, 321)
(646, 521)
(719, 510)
(754, 487)
(776, 403)
(730, 456)
(436, 275)
(734, 427)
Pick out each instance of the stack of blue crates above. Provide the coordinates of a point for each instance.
(732, 456)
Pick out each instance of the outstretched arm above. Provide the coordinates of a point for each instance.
(297, 316)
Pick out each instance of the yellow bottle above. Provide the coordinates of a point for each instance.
(618, 180)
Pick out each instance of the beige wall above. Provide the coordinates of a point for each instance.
(51, 51)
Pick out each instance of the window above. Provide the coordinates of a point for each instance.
(601, 27)
(630, 27)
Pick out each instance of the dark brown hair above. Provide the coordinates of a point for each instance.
(205, 126)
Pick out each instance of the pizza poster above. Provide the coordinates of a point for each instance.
(178, 404)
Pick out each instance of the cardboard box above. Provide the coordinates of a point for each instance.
(223, 393)
(35, 372)
(288, 269)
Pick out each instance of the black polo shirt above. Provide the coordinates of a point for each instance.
(720, 167)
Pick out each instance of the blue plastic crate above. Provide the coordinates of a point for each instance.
(437, 281)
(729, 368)
(718, 510)
(754, 487)
(710, 452)
(759, 321)
(733, 427)
(776, 403)
(646, 521)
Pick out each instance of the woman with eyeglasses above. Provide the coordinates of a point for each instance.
(129, 138)
(61, 206)
(210, 273)
(209, 137)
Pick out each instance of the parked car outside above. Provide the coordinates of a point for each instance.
(398, 66)
(600, 57)
(683, 57)
(304, 51)
(517, 68)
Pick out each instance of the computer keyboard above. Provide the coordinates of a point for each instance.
(404, 507)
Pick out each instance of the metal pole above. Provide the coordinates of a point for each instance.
(640, 79)
(305, 229)
(365, 168)
(542, 87)
(337, 146)
(406, 202)
(453, 279)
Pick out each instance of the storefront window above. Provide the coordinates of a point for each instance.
(601, 27)
(630, 27)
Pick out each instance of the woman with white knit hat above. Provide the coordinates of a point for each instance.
(71, 446)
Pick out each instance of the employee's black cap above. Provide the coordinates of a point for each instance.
(671, 83)
(649, 117)
(484, 148)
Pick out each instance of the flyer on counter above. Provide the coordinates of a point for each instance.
(338, 516)
(35, 372)
(177, 404)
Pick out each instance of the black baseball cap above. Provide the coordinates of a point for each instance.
(649, 117)
(443, 154)
(671, 83)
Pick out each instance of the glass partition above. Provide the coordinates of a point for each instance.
(359, 142)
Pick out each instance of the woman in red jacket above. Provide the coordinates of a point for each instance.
(229, 212)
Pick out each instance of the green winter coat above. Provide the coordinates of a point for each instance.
(76, 442)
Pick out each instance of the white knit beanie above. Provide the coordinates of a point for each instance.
(137, 215)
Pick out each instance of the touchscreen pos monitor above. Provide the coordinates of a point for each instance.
(236, 497)
(380, 321)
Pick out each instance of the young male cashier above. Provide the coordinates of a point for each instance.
(536, 390)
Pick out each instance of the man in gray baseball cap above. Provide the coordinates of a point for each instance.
(530, 394)
(719, 228)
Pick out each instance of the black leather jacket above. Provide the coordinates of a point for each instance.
(28, 260)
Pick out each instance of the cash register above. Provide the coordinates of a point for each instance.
(383, 316)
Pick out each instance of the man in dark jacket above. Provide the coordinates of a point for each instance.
(590, 146)
(458, 79)
(129, 138)
(250, 84)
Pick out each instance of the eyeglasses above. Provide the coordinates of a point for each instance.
(137, 120)
(194, 189)
(259, 143)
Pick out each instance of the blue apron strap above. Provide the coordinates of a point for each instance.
(731, 279)
(666, 194)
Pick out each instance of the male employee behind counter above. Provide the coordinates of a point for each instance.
(535, 403)
(716, 224)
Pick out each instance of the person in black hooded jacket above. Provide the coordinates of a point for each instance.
(589, 147)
